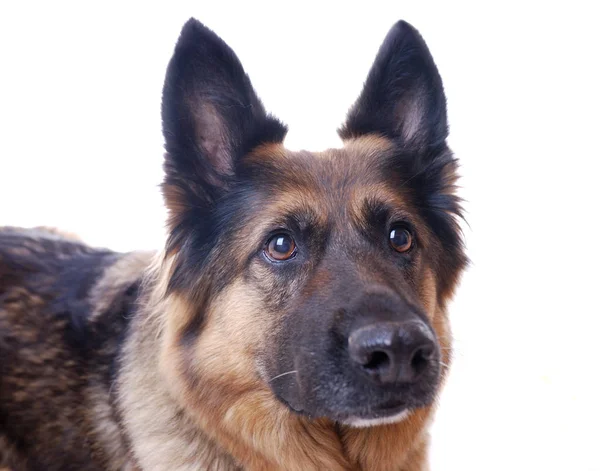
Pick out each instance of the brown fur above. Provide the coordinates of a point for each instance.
(206, 398)
(40, 375)
(239, 413)
(167, 361)
(221, 393)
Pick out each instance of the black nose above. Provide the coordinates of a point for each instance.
(393, 352)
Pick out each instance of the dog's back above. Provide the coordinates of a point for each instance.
(63, 309)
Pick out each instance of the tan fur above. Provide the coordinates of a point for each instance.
(125, 271)
(231, 402)
(368, 147)
(57, 232)
(216, 381)
(204, 402)
(227, 408)
(179, 374)
(105, 427)
(115, 280)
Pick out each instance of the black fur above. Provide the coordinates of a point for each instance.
(403, 82)
(52, 350)
(65, 308)
(211, 118)
(430, 177)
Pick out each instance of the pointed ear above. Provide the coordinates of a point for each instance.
(211, 118)
(403, 97)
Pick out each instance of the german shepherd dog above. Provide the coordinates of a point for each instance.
(296, 318)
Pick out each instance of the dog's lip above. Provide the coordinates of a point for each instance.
(390, 408)
(377, 412)
(297, 410)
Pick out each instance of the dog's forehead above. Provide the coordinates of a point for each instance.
(338, 170)
(366, 149)
(333, 185)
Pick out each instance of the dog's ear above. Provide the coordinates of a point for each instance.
(403, 97)
(211, 117)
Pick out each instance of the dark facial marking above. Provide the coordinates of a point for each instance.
(335, 245)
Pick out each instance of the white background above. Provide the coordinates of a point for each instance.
(81, 149)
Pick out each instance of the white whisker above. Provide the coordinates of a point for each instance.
(283, 374)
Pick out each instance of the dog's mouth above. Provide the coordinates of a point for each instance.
(389, 408)
(297, 409)
(386, 412)
(380, 416)
(345, 394)
(356, 406)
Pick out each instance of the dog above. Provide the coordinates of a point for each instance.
(296, 318)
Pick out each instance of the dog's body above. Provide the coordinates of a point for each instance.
(296, 318)
(65, 309)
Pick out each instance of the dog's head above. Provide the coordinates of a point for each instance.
(320, 277)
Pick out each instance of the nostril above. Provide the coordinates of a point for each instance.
(420, 359)
(377, 361)
(391, 353)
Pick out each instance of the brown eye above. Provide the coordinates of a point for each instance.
(280, 247)
(400, 239)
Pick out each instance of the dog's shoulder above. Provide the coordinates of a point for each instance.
(64, 308)
(47, 276)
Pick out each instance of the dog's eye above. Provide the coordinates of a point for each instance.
(280, 247)
(401, 239)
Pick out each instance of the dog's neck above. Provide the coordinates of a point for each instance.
(160, 433)
(256, 432)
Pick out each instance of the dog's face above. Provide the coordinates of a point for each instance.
(318, 277)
